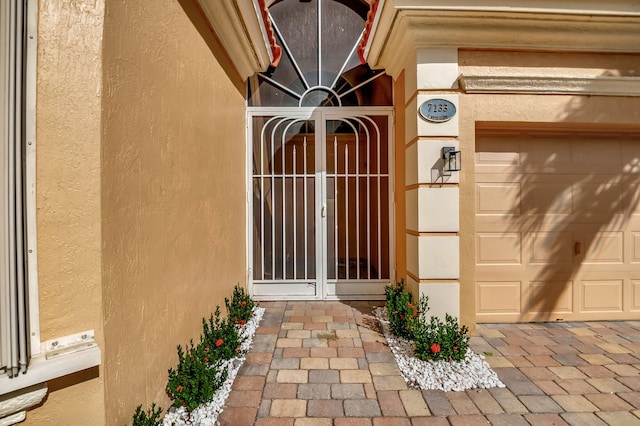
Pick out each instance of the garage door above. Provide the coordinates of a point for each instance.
(557, 226)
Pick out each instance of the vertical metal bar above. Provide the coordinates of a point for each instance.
(363, 126)
(273, 203)
(262, 201)
(272, 155)
(20, 234)
(306, 231)
(378, 176)
(5, 86)
(12, 172)
(346, 205)
(320, 195)
(319, 42)
(369, 207)
(271, 161)
(284, 204)
(363, 122)
(357, 140)
(295, 215)
(335, 203)
(379, 210)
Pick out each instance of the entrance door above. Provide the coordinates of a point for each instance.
(320, 207)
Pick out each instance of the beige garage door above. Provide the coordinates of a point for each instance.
(557, 226)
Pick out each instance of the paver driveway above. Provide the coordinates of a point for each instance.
(325, 363)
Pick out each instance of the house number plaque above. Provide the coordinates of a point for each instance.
(437, 110)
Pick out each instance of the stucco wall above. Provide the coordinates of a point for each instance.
(540, 63)
(69, 80)
(399, 182)
(173, 200)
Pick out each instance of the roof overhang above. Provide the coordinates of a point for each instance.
(400, 27)
(244, 30)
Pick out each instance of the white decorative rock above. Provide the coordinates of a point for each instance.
(472, 372)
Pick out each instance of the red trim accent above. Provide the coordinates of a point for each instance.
(373, 8)
(276, 50)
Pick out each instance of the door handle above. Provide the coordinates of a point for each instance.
(577, 248)
(323, 212)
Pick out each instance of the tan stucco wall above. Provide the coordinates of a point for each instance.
(399, 182)
(540, 63)
(173, 176)
(69, 80)
(533, 111)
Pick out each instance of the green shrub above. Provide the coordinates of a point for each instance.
(151, 417)
(402, 314)
(441, 341)
(434, 339)
(201, 371)
(240, 308)
(220, 338)
(195, 379)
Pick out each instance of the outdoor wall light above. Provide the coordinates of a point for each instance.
(452, 159)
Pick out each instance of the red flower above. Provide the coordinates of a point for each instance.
(242, 323)
(455, 348)
(206, 359)
(219, 342)
(179, 388)
(435, 348)
(243, 303)
(401, 316)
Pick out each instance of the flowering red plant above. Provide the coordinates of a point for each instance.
(441, 341)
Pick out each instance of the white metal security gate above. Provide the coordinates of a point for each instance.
(320, 209)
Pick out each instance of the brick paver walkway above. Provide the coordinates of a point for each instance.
(325, 364)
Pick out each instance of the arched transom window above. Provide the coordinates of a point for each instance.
(320, 64)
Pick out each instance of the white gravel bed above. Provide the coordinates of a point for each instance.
(207, 414)
(472, 372)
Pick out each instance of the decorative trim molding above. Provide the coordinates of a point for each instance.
(13, 406)
(240, 26)
(549, 84)
(42, 369)
(404, 26)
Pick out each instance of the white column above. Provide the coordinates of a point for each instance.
(432, 196)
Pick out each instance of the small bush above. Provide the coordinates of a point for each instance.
(441, 341)
(240, 308)
(202, 369)
(220, 338)
(195, 379)
(403, 315)
(151, 417)
(434, 339)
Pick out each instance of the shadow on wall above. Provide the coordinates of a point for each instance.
(196, 16)
(69, 380)
(573, 196)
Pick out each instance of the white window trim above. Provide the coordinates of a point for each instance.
(45, 363)
(30, 178)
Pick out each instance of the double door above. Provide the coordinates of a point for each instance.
(320, 210)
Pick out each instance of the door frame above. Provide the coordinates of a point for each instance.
(325, 114)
